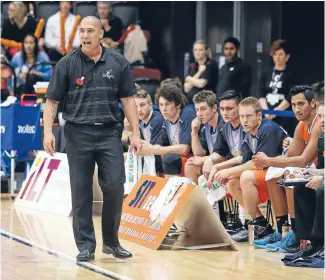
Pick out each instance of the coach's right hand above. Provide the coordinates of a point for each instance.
(49, 143)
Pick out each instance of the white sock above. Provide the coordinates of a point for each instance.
(242, 214)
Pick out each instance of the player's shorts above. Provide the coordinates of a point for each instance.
(263, 191)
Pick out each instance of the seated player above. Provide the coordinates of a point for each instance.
(309, 203)
(151, 123)
(230, 138)
(227, 148)
(302, 151)
(245, 182)
(204, 132)
(175, 145)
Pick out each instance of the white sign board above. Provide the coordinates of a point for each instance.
(47, 186)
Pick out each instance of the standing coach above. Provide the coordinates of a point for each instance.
(90, 81)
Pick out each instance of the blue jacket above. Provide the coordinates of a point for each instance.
(45, 70)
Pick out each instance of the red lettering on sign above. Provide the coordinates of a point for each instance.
(31, 195)
(53, 165)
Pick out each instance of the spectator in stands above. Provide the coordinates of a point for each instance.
(175, 144)
(112, 25)
(27, 57)
(309, 202)
(275, 85)
(203, 74)
(18, 24)
(245, 182)
(302, 151)
(53, 40)
(204, 132)
(236, 74)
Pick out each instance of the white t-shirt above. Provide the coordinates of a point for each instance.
(53, 31)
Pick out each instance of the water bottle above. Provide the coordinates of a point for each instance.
(285, 230)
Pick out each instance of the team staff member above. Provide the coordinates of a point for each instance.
(275, 85)
(90, 81)
(236, 74)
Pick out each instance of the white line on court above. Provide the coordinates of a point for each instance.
(86, 265)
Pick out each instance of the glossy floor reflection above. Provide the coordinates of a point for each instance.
(50, 232)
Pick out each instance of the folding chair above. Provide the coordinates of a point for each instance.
(148, 79)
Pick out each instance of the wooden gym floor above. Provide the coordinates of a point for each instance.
(41, 246)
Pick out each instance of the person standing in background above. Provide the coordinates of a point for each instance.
(236, 74)
(203, 74)
(112, 25)
(18, 25)
(52, 38)
(275, 85)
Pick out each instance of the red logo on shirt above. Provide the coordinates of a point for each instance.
(80, 81)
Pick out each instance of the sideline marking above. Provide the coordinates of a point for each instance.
(86, 265)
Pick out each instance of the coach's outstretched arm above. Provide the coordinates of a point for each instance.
(50, 111)
(130, 110)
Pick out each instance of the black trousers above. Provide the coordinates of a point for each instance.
(85, 146)
(309, 210)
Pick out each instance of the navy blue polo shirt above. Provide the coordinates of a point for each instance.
(152, 130)
(230, 140)
(268, 140)
(179, 132)
(208, 136)
(91, 91)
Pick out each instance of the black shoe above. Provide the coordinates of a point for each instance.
(236, 227)
(262, 232)
(85, 256)
(117, 251)
(309, 250)
(318, 254)
(293, 248)
(241, 235)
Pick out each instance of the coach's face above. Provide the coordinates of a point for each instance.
(91, 33)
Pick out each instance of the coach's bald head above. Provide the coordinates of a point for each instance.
(92, 20)
(91, 32)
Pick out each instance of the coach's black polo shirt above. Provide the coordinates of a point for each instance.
(91, 92)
